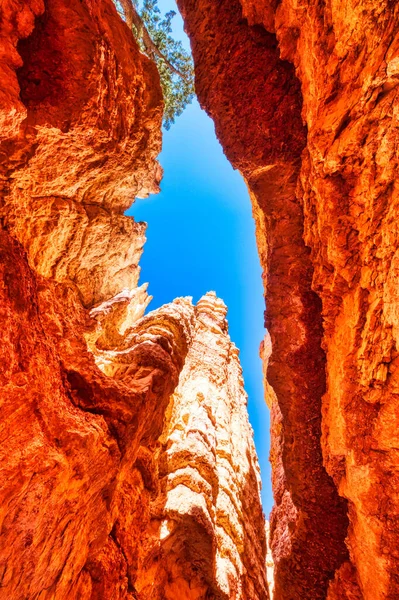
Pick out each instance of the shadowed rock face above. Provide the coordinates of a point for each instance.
(304, 99)
(94, 395)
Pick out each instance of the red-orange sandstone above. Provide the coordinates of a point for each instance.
(305, 103)
(98, 499)
(128, 469)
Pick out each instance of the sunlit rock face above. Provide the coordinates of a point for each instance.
(72, 436)
(305, 103)
(91, 504)
(81, 131)
(206, 537)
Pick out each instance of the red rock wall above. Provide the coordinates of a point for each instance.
(304, 99)
(81, 111)
(255, 98)
(80, 146)
(86, 380)
(69, 434)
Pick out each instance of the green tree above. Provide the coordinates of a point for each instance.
(154, 34)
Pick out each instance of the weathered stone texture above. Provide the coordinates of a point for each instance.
(69, 434)
(79, 143)
(255, 100)
(325, 204)
(207, 522)
(86, 378)
(81, 111)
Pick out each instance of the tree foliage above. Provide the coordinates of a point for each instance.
(154, 34)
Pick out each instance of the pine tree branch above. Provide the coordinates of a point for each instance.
(127, 7)
(133, 19)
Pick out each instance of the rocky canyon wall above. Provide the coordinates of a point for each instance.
(304, 100)
(128, 469)
(207, 522)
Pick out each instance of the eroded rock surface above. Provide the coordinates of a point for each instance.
(70, 434)
(80, 137)
(304, 99)
(207, 524)
(92, 507)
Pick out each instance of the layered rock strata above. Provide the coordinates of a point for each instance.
(207, 522)
(81, 113)
(87, 487)
(71, 435)
(304, 99)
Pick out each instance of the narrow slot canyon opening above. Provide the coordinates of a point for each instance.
(134, 433)
(200, 237)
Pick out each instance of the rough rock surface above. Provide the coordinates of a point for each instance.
(269, 562)
(207, 523)
(86, 378)
(81, 131)
(70, 434)
(305, 102)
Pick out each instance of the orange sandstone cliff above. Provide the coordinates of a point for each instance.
(304, 96)
(128, 469)
(206, 536)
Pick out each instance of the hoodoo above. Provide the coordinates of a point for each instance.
(128, 469)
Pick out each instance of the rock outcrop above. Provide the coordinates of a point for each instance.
(128, 470)
(70, 436)
(305, 102)
(207, 520)
(81, 133)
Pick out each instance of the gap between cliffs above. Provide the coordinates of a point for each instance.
(80, 114)
(255, 101)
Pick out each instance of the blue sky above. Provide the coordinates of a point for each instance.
(201, 237)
